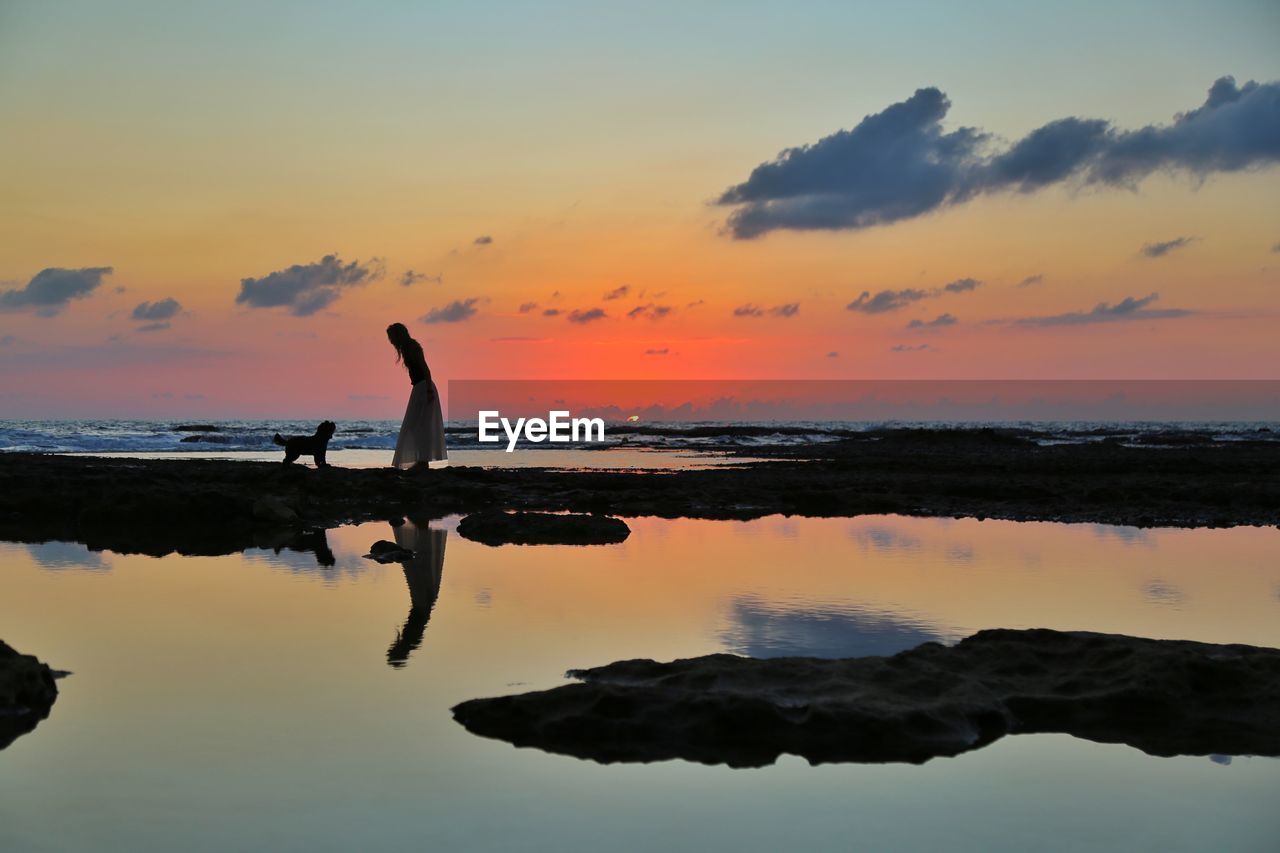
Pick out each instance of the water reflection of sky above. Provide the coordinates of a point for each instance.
(217, 702)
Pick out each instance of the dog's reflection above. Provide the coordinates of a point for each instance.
(422, 574)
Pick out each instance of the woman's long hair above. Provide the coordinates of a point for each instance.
(404, 343)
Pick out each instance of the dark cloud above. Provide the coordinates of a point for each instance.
(663, 351)
(1129, 308)
(833, 354)
(306, 288)
(154, 327)
(961, 285)
(749, 310)
(161, 309)
(551, 312)
(1276, 247)
(526, 307)
(52, 289)
(909, 348)
(454, 312)
(899, 163)
(1159, 250)
(697, 302)
(618, 292)
(938, 322)
(886, 300)
(482, 240)
(586, 315)
(652, 311)
(892, 300)
(1030, 280)
(411, 278)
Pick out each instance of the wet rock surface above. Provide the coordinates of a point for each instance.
(195, 506)
(495, 527)
(27, 692)
(1164, 697)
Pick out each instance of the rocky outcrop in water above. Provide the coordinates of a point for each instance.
(1164, 697)
(495, 527)
(27, 691)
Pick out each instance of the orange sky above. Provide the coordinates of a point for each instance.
(589, 152)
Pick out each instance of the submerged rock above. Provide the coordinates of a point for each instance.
(27, 691)
(495, 527)
(1164, 697)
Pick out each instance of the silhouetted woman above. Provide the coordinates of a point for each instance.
(421, 438)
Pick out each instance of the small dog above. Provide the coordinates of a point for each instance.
(308, 445)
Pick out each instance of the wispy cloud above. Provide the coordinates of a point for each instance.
(305, 289)
(53, 289)
(455, 312)
(900, 163)
(1030, 280)
(1159, 250)
(650, 310)
(1128, 309)
(662, 351)
(410, 278)
(617, 292)
(584, 316)
(941, 321)
(909, 348)
(750, 310)
(482, 240)
(893, 300)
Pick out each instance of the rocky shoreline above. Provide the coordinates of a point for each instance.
(27, 693)
(1164, 697)
(196, 506)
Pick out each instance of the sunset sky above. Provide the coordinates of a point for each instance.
(214, 210)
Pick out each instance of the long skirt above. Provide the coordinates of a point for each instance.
(422, 431)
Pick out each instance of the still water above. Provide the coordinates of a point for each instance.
(266, 701)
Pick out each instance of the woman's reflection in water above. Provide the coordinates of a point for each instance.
(422, 574)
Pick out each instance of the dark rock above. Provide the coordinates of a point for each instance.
(1165, 697)
(495, 527)
(388, 552)
(274, 508)
(196, 428)
(27, 691)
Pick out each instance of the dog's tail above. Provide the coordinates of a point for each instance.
(278, 440)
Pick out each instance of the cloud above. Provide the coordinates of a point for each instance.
(551, 312)
(750, 310)
(1276, 247)
(454, 312)
(1129, 308)
(618, 292)
(52, 289)
(899, 163)
(652, 311)
(663, 351)
(1030, 280)
(892, 300)
(833, 354)
(886, 300)
(909, 348)
(306, 288)
(938, 322)
(154, 327)
(482, 240)
(161, 309)
(586, 316)
(526, 307)
(519, 339)
(410, 278)
(1159, 250)
(5, 340)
